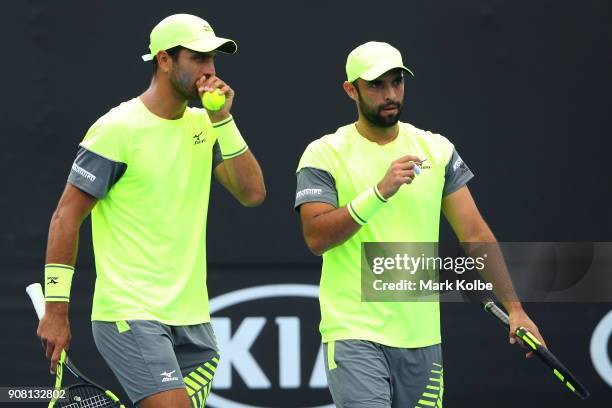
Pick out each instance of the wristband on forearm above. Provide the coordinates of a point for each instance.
(365, 205)
(229, 138)
(58, 279)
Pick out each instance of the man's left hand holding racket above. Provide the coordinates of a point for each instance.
(54, 331)
(85, 393)
(518, 318)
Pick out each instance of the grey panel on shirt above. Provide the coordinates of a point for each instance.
(315, 185)
(95, 174)
(217, 156)
(457, 174)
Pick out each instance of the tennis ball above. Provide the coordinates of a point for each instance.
(213, 101)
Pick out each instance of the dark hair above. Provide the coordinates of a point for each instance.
(172, 52)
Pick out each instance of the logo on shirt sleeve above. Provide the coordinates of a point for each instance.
(83, 173)
(457, 163)
(308, 192)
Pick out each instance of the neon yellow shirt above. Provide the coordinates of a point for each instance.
(149, 228)
(412, 215)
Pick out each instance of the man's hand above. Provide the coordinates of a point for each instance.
(400, 172)
(54, 331)
(518, 318)
(214, 83)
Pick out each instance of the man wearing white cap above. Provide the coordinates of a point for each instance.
(144, 171)
(374, 181)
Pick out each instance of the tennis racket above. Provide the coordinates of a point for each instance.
(560, 371)
(85, 393)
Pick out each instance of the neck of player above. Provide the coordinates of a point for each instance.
(376, 134)
(162, 100)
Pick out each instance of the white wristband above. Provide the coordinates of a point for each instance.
(229, 138)
(365, 205)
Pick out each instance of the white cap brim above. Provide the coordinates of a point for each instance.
(378, 70)
(206, 44)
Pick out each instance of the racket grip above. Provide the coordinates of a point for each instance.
(501, 316)
(37, 297)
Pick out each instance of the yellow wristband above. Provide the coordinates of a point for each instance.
(58, 280)
(229, 138)
(365, 205)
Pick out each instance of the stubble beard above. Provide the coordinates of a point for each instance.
(183, 85)
(375, 117)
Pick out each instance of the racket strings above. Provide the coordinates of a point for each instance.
(84, 396)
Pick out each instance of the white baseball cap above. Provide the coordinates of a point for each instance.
(371, 60)
(187, 31)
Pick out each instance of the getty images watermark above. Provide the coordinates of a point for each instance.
(529, 271)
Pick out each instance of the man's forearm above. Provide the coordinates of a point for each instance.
(330, 229)
(62, 244)
(246, 179)
(61, 249)
(495, 270)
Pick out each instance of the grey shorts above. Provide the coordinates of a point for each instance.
(148, 357)
(363, 374)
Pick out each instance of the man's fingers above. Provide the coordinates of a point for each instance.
(513, 339)
(405, 174)
(203, 84)
(55, 358)
(206, 83)
(409, 165)
(216, 84)
(538, 336)
(213, 85)
(408, 158)
(224, 90)
(49, 350)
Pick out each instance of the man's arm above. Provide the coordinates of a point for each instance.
(242, 177)
(462, 213)
(325, 226)
(62, 247)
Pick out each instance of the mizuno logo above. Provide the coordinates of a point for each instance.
(52, 280)
(197, 139)
(82, 172)
(168, 376)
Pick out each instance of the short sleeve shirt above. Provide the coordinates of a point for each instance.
(337, 168)
(152, 179)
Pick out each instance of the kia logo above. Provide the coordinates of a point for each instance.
(270, 348)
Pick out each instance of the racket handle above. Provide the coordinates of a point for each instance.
(37, 297)
(560, 371)
(493, 309)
